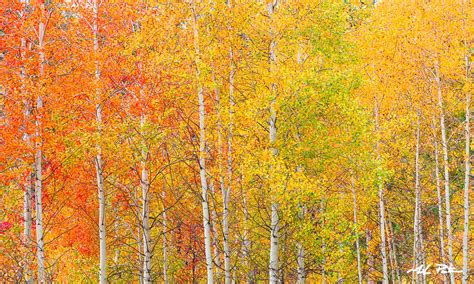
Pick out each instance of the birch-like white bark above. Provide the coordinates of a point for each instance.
(301, 271)
(38, 163)
(370, 257)
(354, 200)
(440, 199)
(417, 216)
(275, 219)
(28, 194)
(467, 187)
(98, 158)
(28, 185)
(393, 250)
(145, 204)
(227, 191)
(246, 241)
(116, 235)
(224, 192)
(444, 145)
(165, 238)
(202, 149)
(215, 233)
(383, 250)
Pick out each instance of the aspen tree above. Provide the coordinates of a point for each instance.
(444, 146)
(202, 146)
(39, 152)
(275, 219)
(98, 157)
(467, 173)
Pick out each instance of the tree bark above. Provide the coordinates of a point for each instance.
(354, 200)
(275, 219)
(98, 158)
(146, 206)
(417, 246)
(226, 193)
(467, 187)
(28, 186)
(383, 250)
(440, 200)
(370, 257)
(38, 162)
(165, 239)
(202, 149)
(444, 145)
(215, 234)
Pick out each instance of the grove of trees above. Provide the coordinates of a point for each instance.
(236, 141)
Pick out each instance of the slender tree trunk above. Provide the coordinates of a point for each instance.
(301, 252)
(229, 160)
(370, 257)
(202, 150)
(444, 145)
(28, 186)
(440, 200)
(146, 206)
(245, 239)
(27, 225)
(301, 271)
(467, 187)
(215, 234)
(224, 190)
(116, 233)
(227, 191)
(102, 243)
(165, 239)
(38, 162)
(393, 246)
(275, 219)
(383, 250)
(98, 158)
(138, 238)
(354, 200)
(390, 252)
(417, 216)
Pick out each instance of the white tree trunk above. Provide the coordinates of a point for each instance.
(301, 252)
(27, 226)
(229, 162)
(354, 199)
(393, 250)
(215, 233)
(165, 239)
(98, 159)
(202, 150)
(116, 235)
(246, 241)
(467, 187)
(38, 164)
(440, 199)
(444, 144)
(383, 250)
(226, 193)
(370, 257)
(417, 247)
(275, 219)
(28, 186)
(145, 225)
(224, 190)
(145, 186)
